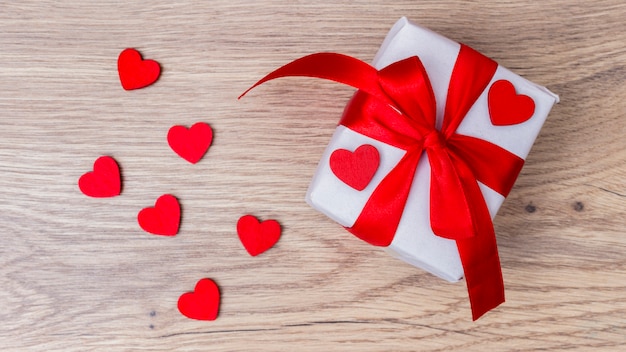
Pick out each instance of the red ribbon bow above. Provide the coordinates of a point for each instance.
(396, 105)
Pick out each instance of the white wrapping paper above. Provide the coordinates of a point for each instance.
(414, 241)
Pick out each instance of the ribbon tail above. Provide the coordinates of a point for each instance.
(379, 219)
(331, 66)
(479, 254)
(481, 266)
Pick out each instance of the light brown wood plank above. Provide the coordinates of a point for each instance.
(78, 274)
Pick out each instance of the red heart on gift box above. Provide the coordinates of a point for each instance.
(201, 304)
(103, 181)
(257, 237)
(506, 107)
(356, 169)
(190, 143)
(162, 219)
(135, 72)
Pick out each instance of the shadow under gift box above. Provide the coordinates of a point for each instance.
(414, 241)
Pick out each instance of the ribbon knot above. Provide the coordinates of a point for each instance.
(396, 106)
(434, 140)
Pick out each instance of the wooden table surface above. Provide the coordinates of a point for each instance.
(78, 274)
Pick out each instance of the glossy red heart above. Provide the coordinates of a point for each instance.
(162, 219)
(135, 72)
(103, 181)
(257, 237)
(356, 169)
(201, 304)
(190, 143)
(506, 107)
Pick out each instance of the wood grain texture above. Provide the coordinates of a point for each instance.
(78, 274)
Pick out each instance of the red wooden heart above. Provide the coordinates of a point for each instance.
(103, 181)
(134, 72)
(356, 169)
(163, 218)
(257, 237)
(506, 107)
(191, 144)
(203, 303)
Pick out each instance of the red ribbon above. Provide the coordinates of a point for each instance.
(396, 105)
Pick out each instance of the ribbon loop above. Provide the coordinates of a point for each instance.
(450, 207)
(407, 85)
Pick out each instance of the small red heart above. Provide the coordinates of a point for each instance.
(103, 181)
(191, 144)
(506, 107)
(135, 72)
(163, 218)
(356, 169)
(257, 237)
(203, 303)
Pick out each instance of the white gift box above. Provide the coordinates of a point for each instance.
(414, 240)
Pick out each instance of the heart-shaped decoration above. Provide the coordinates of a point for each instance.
(162, 219)
(104, 181)
(201, 304)
(190, 143)
(135, 72)
(356, 169)
(257, 237)
(506, 107)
